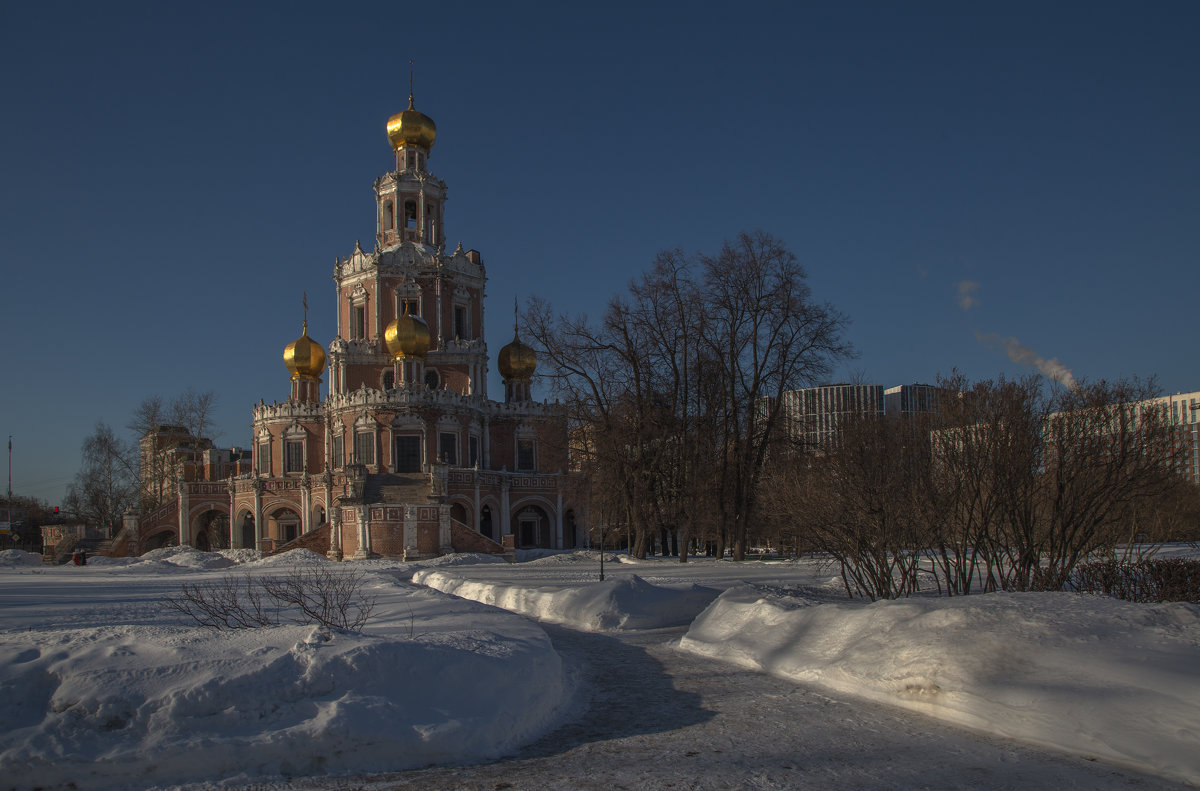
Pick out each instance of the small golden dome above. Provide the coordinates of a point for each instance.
(411, 128)
(407, 336)
(517, 361)
(304, 357)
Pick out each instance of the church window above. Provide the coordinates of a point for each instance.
(264, 457)
(293, 456)
(432, 380)
(526, 457)
(389, 380)
(473, 451)
(448, 448)
(389, 215)
(408, 453)
(410, 214)
(460, 322)
(410, 159)
(358, 322)
(410, 307)
(338, 451)
(364, 447)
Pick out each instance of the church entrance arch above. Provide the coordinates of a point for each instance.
(531, 527)
(245, 531)
(569, 538)
(286, 523)
(485, 522)
(210, 530)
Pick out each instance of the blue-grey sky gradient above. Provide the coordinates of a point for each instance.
(177, 175)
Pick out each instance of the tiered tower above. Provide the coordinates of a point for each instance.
(406, 455)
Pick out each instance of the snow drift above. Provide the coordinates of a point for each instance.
(111, 689)
(1090, 675)
(19, 557)
(626, 603)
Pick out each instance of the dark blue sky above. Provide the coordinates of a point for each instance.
(951, 175)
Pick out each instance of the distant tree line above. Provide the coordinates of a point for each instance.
(1010, 485)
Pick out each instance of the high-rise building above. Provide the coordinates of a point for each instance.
(914, 399)
(813, 415)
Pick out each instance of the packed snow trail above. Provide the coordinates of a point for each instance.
(653, 717)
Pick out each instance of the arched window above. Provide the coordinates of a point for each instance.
(389, 215)
(432, 380)
(410, 213)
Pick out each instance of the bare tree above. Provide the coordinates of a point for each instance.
(767, 335)
(106, 484)
(677, 388)
(170, 433)
(861, 501)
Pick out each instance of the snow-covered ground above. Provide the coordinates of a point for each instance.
(1091, 675)
(103, 686)
(106, 687)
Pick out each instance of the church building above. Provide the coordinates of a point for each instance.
(405, 455)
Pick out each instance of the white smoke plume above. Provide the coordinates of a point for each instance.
(1051, 368)
(965, 289)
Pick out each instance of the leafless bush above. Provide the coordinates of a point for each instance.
(1156, 580)
(322, 595)
(332, 598)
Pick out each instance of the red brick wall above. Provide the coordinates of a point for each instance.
(427, 539)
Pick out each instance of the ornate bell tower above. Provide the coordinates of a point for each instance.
(410, 199)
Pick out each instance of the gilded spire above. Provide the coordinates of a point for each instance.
(516, 361)
(411, 127)
(304, 357)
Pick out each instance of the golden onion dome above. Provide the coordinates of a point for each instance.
(407, 336)
(516, 360)
(411, 128)
(304, 357)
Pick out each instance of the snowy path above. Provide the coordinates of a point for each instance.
(658, 718)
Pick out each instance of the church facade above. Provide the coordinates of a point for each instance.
(405, 455)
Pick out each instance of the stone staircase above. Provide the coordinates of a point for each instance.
(316, 540)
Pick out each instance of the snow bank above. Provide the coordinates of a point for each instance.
(569, 558)
(106, 688)
(104, 560)
(626, 603)
(188, 557)
(293, 557)
(240, 555)
(10, 558)
(1090, 675)
(462, 559)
